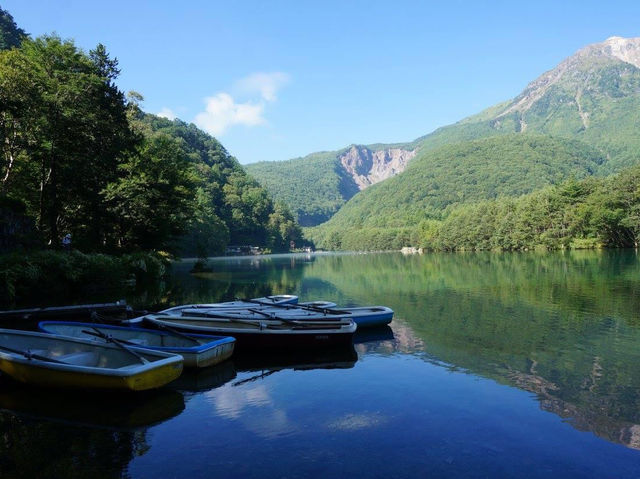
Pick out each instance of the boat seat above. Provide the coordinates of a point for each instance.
(82, 358)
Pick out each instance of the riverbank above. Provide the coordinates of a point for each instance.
(51, 277)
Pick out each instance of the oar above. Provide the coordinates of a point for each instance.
(255, 378)
(302, 323)
(272, 316)
(29, 355)
(105, 336)
(297, 306)
(120, 344)
(174, 332)
(226, 319)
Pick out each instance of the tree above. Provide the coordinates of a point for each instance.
(208, 234)
(65, 130)
(10, 35)
(152, 202)
(282, 228)
(20, 112)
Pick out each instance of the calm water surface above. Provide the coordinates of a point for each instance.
(495, 365)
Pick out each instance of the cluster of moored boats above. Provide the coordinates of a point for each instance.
(150, 351)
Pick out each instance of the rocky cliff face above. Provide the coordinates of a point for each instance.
(368, 167)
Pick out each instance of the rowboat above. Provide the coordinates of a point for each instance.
(42, 359)
(267, 333)
(364, 317)
(275, 300)
(198, 351)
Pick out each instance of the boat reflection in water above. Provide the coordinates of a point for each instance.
(268, 364)
(259, 402)
(205, 379)
(102, 410)
(62, 434)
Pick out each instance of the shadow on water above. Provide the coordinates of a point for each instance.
(205, 379)
(60, 434)
(266, 364)
(341, 358)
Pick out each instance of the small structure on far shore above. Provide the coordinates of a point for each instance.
(242, 250)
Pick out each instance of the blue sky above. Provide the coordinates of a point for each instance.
(281, 79)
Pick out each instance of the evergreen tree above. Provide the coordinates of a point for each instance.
(10, 34)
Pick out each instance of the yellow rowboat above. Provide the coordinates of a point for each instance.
(41, 359)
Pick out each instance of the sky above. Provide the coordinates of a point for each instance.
(274, 80)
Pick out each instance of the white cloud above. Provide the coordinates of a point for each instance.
(222, 111)
(167, 113)
(266, 84)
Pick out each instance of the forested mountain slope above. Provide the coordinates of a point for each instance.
(465, 172)
(592, 96)
(316, 186)
(231, 207)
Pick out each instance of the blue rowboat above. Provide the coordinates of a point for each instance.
(198, 350)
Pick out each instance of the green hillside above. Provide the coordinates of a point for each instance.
(313, 187)
(387, 214)
(231, 207)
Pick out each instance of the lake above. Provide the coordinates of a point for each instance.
(495, 365)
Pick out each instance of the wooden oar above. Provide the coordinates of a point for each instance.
(302, 323)
(104, 336)
(120, 344)
(29, 355)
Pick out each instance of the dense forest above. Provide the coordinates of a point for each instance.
(588, 213)
(314, 187)
(391, 214)
(81, 158)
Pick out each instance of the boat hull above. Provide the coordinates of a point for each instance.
(48, 377)
(251, 337)
(211, 357)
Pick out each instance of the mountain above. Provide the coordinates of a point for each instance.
(386, 215)
(592, 97)
(316, 186)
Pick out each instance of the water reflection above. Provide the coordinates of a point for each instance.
(79, 408)
(204, 379)
(440, 391)
(563, 326)
(249, 399)
(59, 434)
